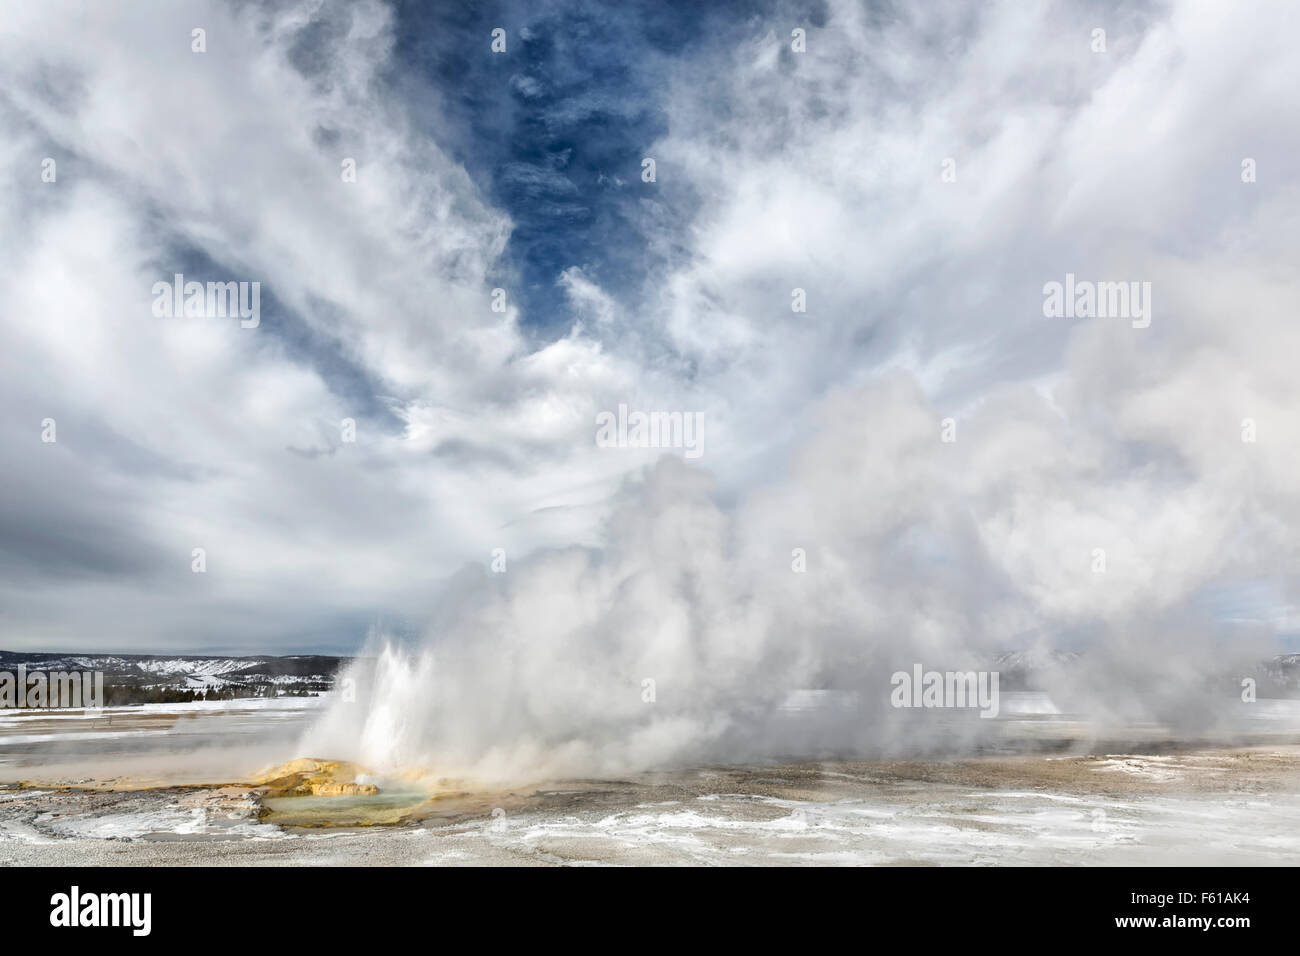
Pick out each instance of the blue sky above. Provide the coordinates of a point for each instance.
(778, 169)
(554, 131)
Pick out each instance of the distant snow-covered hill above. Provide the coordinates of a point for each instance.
(297, 671)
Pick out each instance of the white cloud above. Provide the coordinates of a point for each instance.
(819, 171)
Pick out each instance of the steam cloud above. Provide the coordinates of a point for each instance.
(777, 170)
(918, 550)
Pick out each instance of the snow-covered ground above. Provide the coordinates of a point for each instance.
(196, 742)
(1218, 807)
(269, 706)
(980, 827)
(139, 771)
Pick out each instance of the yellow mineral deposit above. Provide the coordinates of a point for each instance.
(309, 777)
(311, 792)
